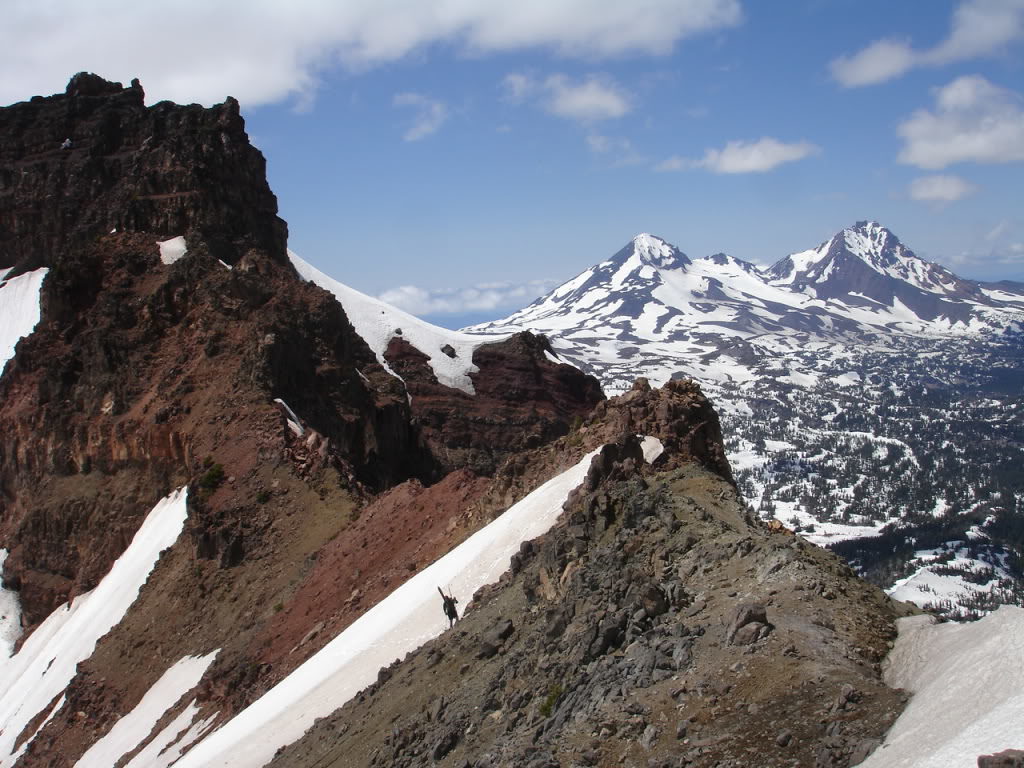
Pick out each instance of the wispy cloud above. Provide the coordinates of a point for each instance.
(758, 156)
(978, 28)
(592, 99)
(620, 150)
(587, 100)
(973, 121)
(451, 301)
(940, 189)
(191, 59)
(429, 115)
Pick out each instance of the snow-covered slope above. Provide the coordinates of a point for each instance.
(32, 678)
(847, 377)
(651, 311)
(378, 322)
(967, 682)
(19, 309)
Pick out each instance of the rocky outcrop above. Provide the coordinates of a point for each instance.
(1008, 758)
(94, 159)
(608, 644)
(522, 399)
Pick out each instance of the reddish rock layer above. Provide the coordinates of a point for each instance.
(523, 399)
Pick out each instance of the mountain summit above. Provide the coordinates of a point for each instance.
(867, 264)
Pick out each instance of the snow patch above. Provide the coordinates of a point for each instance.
(19, 310)
(968, 691)
(172, 250)
(10, 616)
(378, 322)
(130, 730)
(47, 661)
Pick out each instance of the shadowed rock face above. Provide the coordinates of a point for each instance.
(522, 400)
(79, 164)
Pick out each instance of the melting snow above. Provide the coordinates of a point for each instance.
(46, 663)
(967, 682)
(172, 250)
(19, 310)
(167, 746)
(133, 728)
(10, 616)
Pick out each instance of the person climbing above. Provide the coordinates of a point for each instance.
(449, 607)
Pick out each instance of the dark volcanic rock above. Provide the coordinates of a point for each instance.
(522, 400)
(589, 677)
(80, 164)
(1008, 758)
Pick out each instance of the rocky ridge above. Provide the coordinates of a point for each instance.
(656, 625)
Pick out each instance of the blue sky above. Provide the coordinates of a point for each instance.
(461, 157)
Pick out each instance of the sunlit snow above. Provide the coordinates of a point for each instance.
(172, 250)
(378, 322)
(967, 682)
(10, 616)
(19, 310)
(134, 727)
(47, 661)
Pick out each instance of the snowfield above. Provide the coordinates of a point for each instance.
(46, 663)
(967, 682)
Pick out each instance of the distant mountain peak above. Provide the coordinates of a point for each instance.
(657, 252)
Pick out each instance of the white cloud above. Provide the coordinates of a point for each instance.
(940, 188)
(430, 114)
(880, 61)
(973, 121)
(978, 28)
(620, 150)
(592, 99)
(450, 301)
(755, 156)
(588, 100)
(193, 50)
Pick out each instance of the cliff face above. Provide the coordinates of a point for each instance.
(522, 399)
(79, 164)
(140, 371)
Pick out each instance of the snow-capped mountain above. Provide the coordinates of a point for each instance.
(860, 386)
(650, 307)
